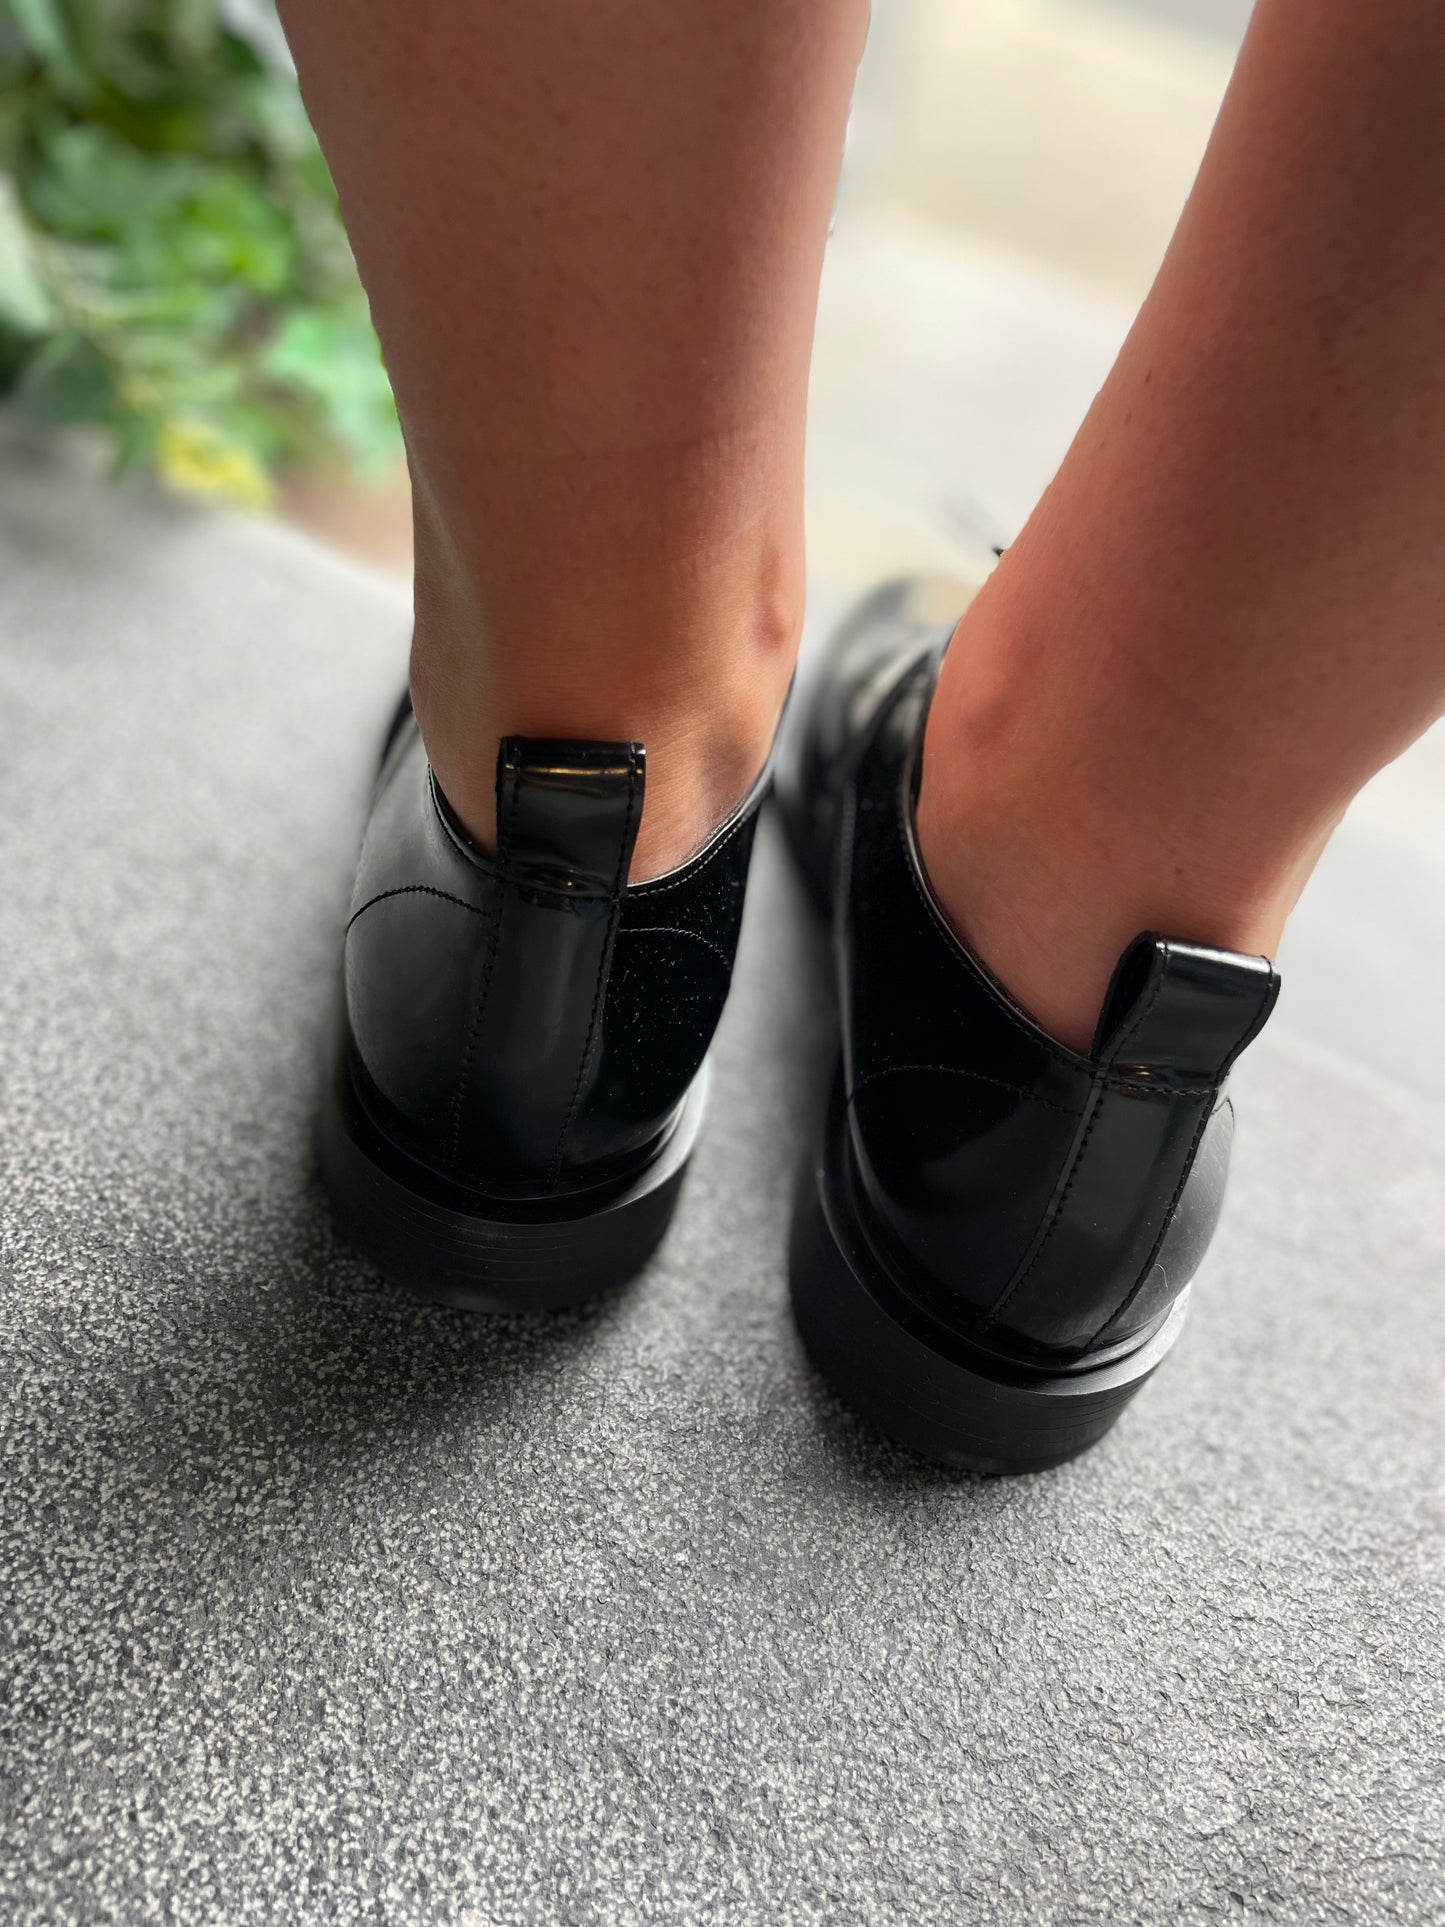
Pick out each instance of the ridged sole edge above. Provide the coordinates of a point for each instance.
(964, 1411)
(487, 1255)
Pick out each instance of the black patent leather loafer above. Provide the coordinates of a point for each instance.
(995, 1237)
(521, 1067)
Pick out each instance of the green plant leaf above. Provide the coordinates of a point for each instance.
(84, 181)
(67, 381)
(255, 22)
(335, 360)
(191, 29)
(43, 33)
(25, 303)
(228, 228)
(172, 262)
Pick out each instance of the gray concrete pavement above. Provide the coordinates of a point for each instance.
(318, 1606)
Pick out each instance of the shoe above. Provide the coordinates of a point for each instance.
(520, 1071)
(995, 1236)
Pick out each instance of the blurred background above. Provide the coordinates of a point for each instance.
(173, 275)
(1015, 170)
(176, 296)
(174, 279)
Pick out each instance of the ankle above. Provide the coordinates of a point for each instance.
(707, 732)
(1052, 930)
(617, 598)
(1056, 826)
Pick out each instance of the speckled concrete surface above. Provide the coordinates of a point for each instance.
(318, 1606)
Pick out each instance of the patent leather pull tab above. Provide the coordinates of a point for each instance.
(1180, 1013)
(567, 817)
(568, 813)
(1176, 1017)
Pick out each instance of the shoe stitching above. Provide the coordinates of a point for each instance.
(1141, 1015)
(618, 884)
(1126, 1087)
(671, 930)
(1251, 1031)
(499, 869)
(980, 1077)
(748, 812)
(1148, 1265)
(1121, 1085)
(659, 886)
(996, 1311)
(504, 831)
(425, 890)
(1118, 1084)
(1056, 1211)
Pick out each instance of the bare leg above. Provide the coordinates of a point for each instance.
(592, 237)
(1229, 610)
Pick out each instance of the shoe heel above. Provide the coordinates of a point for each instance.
(918, 1384)
(453, 1247)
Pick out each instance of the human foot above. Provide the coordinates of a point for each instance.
(695, 662)
(520, 1068)
(700, 764)
(1064, 807)
(993, 1243)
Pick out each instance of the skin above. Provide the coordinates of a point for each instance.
(592, 237)
(597, 304)
(1228, 612)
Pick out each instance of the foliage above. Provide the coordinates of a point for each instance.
(172, 263)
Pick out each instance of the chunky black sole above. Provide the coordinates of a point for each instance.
(454, 1247)
(919, 1384)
